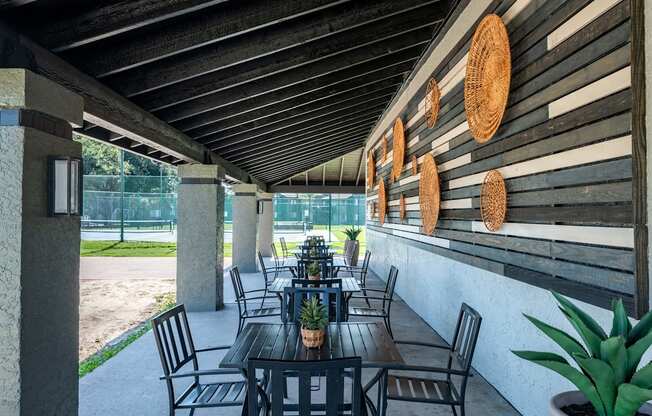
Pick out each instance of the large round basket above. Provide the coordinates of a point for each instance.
(398, 149)
(384, 149)
(429, 196)
(488, 75)
(402, 207)
(415, 165)
(371, 170)
(493, 200)
(382, 201)
(432, 103)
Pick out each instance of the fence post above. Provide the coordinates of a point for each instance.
(122, 195)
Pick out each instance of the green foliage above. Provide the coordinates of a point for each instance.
(607, 363)
(313, 269)
(314, 315)
(352, 233)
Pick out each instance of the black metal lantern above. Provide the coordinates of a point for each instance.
(64, 186)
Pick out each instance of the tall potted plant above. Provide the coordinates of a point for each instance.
(351, 236)
(313, 319)
(606, 371)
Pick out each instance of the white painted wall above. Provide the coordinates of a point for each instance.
(435, 286)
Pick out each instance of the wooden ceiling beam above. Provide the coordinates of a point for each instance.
(181, 99)
(189, 32)
(360, 165)
(341, 169)
(316, 189)
(255, 120)
(290, 98)
(111, 20)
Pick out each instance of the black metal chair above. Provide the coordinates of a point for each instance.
(244, 312)
(450, 391)
(325, 266)
(284, 249)
(268, 271)
(279, 263)
(382, 311)
(176, 351)
(293, 298)
(334, 372)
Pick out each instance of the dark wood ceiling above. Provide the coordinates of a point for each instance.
(276, 87)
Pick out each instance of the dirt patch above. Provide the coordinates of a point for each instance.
(108, 308)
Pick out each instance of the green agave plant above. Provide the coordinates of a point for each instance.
(606, 364)
(352, 233)
(313, 269)
(313, 315)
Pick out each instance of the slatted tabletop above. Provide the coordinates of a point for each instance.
(349, 284)
(368, 340)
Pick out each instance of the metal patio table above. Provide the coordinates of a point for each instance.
(368, 340)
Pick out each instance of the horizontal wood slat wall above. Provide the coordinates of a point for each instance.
(564, 148)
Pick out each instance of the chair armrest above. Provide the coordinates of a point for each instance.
(426, 369)
(253, 291)
(260, 298)
(221, 347)
(375, 290)
(423, 344)
(217, 371)
(370, 297)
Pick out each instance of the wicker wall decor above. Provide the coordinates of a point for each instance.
(488, 75)
(415, 165)
(493, 200)
(384, 149)
(398, 149)
(429, 195)
(382, 201)
(402, 206)
(432, 102)
(371, 170)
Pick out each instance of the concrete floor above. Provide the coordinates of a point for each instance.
(128, 384)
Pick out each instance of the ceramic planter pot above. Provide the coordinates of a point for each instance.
(314, 277)
(353, 261)
(312, 338)
(577, 397)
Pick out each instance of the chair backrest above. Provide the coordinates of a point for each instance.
(365, 262)
(389, 288)
(238, 289)
(465, 338)
(295, 297)
(173, 340)
(334, 372)
(325, 266)
(277, 261)
(317, 283)
(284, 246)
(261, 261)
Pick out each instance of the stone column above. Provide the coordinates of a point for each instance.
(39, 254)
(245, 221)
(266, 224)
(200, 237)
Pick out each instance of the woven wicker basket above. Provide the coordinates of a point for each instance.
(488, 75)
(398, 149)
(432, 103)
(415, 165)
(493, 200)
(429, 195)
(382, 201)
(371, 170)
(402, 207)
(384, 149)
(312, 338)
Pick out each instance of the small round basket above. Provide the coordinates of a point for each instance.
(432, 103)
(429, 195)
(415, 165)
(493, 200)
(488, 75)
(371, 170)
(382, 201)
(402, 207)
(398, 149)
(312, 338)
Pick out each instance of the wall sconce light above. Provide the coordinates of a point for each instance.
(260, 207)
(64, 186)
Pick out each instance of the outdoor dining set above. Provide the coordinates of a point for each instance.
(317, 325)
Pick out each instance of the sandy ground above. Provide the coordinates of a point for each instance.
(110, 307)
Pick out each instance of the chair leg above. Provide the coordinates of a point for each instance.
(454, 411)
(366, 299)
(262, 302)
(240, 325)
(192, 412)
(389, 327)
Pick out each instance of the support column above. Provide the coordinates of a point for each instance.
(265, 223)
(245, 221)
(200, 237)
(39, 254)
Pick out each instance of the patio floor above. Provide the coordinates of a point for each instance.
(128, 384)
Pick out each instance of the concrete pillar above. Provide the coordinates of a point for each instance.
(245, 218)
(265, 223)
(39, 254)
(200, 237)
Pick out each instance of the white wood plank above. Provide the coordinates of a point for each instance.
(435, 241)
(454, 76)
(464, 203)
(610, 149)
(515, 10)
(465, 159)
(449, 135)
(416, 117)
(606, 236)
(410, 179)
(402, 227)
(601, 88)
(582, 18)
(413, 141)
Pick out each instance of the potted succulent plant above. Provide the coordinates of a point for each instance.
(313, 319)
(312, 269)
(606, 372)
(351, 236)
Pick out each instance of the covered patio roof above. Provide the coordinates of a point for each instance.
(267, 89)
